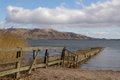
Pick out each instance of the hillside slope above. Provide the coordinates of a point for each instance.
(43, 34)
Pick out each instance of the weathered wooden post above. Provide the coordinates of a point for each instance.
(35, 53)
(34, 57)
(18, 55)
(63, 57)
(68, 59)
(46, 58)
(75, 61)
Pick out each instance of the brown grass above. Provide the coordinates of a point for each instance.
(72, 74)
(8, 40)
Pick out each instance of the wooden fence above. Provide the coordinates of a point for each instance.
(18, 68)
(65, 59)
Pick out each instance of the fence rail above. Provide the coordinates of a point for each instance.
(31, 48)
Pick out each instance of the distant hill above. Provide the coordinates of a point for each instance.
(43, 34)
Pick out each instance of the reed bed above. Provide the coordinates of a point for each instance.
(8, 40)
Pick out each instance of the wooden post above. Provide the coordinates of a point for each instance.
(34, 57)
(75, 61)
(18, 55)
(35, 53)
(63, 57)
(46, 58)
(68, 59)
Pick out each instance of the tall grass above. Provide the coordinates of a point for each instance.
(8, 40)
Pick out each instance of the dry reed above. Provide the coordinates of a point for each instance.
(8, 40)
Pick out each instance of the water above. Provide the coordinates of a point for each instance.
(108, 59)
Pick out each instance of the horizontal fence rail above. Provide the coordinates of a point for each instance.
(31, 48)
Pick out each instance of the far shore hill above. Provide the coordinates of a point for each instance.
(36, 34)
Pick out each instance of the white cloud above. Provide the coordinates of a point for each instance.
(3, 24)
(106, 35)
(99, 14)
(80, 3)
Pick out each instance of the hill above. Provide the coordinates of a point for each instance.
(43, 33)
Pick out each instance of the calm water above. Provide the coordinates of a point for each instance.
(108, 59)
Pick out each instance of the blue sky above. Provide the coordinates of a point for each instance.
(89, 17)
(31, 4)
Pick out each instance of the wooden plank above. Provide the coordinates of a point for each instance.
(42, 48)
(12, 71)
(54, 55)
(34, 66)
(9, 49)
(54, 62)
(39, 65)
(9, 61)
(31, 48)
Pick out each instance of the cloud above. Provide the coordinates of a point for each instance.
(100, 32)
(2, 24)
(106, 35)
(98, 14)
(80, 3)
(103, 34)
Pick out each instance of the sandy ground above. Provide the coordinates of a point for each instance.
(72, 74)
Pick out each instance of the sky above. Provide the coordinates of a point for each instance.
(94, 18)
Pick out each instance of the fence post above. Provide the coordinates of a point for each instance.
(34, 59)
(68, 59)
(63, 57)
(75, 61)
(46, 58)
(18, 55)
(34, 56)
(35, 53)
